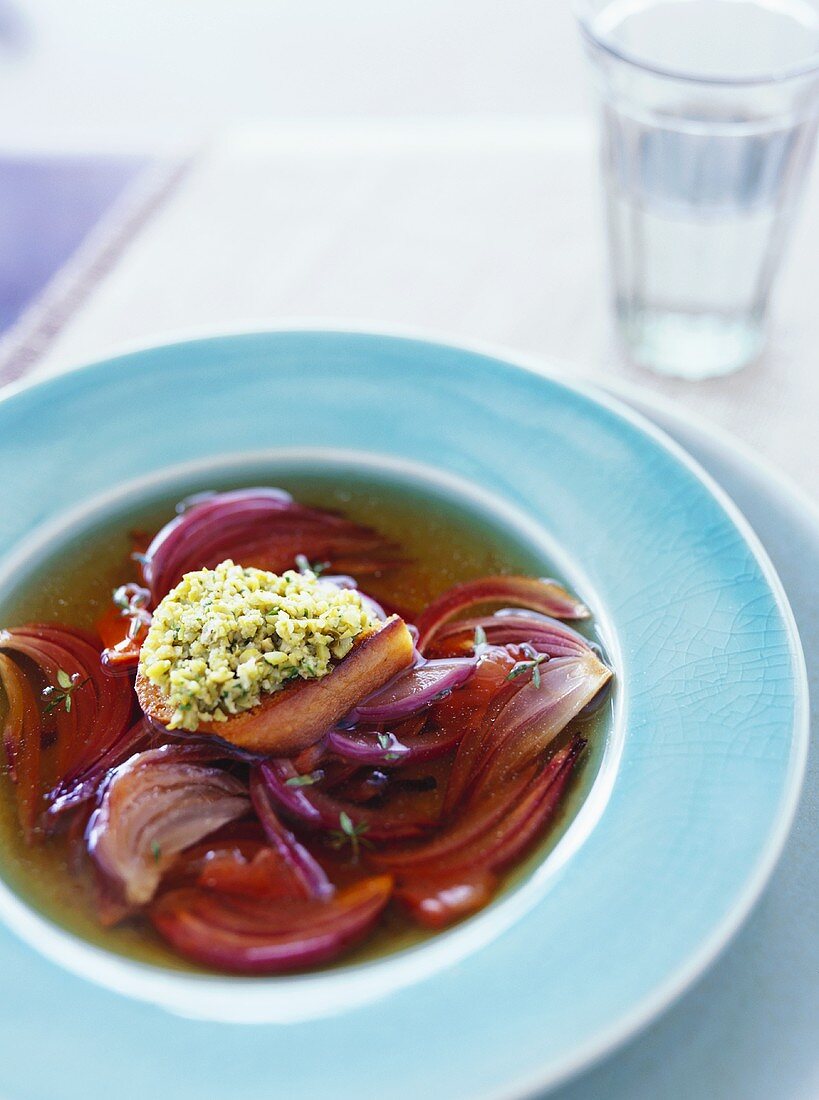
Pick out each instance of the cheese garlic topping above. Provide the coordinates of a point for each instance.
(225, 636)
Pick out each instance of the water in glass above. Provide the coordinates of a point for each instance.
(703, 158)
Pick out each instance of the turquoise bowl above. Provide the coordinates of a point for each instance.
(682, 824)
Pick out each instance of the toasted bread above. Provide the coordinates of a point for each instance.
(288, 721)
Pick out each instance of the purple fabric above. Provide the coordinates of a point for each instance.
(47, 207)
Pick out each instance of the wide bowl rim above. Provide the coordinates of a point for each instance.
(678, 980)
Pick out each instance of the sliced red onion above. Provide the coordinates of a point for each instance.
(531, 720)
(83, 784)
(512, 627)
(372, 748)
(320, 810)
(100, 709)
(85, 711)
(262, 873)
(522, 720)
(155, 805)
(549, 621)
(474, 744)
(414, 689)
(543, 595)
(22, 744)
(208, 495)
(485, 840)
(254, 936)
(470, 825)
(389, 749)
(437, 903)
(305, 869)
(529, 818)
(57, 653)
(262, 527)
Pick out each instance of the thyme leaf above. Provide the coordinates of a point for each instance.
(62, 698)
(350, 834)
(532, 666)
(306, 780)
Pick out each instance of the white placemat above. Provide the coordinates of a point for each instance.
(487, 231)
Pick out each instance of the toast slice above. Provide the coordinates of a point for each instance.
(286, 722)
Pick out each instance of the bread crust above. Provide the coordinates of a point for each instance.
(287, 721)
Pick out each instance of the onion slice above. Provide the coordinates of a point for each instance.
(414, 689)
(155, 805)
(521, 721)
(394, 749)
(264, 527)
(492, 835)
(533, 718)
(260, 874)
(541, 595)
(82, 785)
(86, 715)
(376, 749)
(511, 627)
(21, 740)
(306, 872)
(437, 903)
(320, 810)
(246, 935)
(468, 827)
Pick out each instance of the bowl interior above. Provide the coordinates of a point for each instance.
(69, 569)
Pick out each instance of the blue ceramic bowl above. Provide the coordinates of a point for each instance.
(686, 814)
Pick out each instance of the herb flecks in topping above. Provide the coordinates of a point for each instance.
(480, 637)
(55, 697)
(351, 834)
(224, 637)
(306, 780)
(156, 851)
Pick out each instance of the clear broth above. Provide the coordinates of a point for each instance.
(445, 540)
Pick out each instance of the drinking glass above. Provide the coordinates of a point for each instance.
(709, 113)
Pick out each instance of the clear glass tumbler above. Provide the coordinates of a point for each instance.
(709, 114)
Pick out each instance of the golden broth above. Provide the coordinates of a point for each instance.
(445, 542)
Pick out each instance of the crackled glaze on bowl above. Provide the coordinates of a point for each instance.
(712, 716)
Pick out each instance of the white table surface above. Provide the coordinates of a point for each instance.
(484, 231)
(487, 231)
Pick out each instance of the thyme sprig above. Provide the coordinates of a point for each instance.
(55, 697)
(351, 834)
(532, 666)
